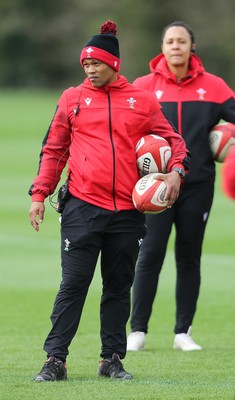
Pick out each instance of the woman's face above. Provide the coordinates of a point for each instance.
(176, 46)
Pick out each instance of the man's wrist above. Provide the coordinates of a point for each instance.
(180, 171)
(38, 197)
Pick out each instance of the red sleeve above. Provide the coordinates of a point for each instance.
(228, 174)
(160, 125)
(54, 153)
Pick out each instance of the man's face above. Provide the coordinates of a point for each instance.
(99, 73)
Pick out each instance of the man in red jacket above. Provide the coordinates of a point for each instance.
(95, 130)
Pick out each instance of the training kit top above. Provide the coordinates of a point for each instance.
(96, 130)
(194, 105)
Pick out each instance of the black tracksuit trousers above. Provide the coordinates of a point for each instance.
(189, 215)
(86, 232)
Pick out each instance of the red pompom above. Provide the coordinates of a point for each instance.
(109, 27)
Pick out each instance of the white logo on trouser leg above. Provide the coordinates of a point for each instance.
(205, 216)
(67, 243)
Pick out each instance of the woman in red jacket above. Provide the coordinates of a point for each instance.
(95, 128)
(195, 101)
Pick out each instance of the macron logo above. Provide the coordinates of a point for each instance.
(159, 94)
(88, 101)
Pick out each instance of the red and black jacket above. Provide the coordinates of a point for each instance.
(194, 105)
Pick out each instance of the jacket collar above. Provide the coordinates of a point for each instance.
(119, 83)
(158, 65)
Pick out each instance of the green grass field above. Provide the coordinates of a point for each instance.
(30, 275)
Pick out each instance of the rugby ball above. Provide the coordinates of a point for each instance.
(220, 138)
(229, 126)
(148, 194)
(152, 154)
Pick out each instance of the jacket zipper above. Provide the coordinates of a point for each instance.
(179, 118)
(180, 112)
(113, 151)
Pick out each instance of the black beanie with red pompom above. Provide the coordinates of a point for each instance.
(104, 47)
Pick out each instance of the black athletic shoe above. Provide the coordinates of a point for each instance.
(53, 370)
(113, 368)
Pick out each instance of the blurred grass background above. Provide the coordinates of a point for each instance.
(30, 275)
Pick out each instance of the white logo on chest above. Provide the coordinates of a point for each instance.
(159, 94)
(88, 101)
(201, 93)
(132, 102)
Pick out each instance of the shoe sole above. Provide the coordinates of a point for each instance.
(41, 379)
(179, 348)
(124, 378)
(140, 349)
